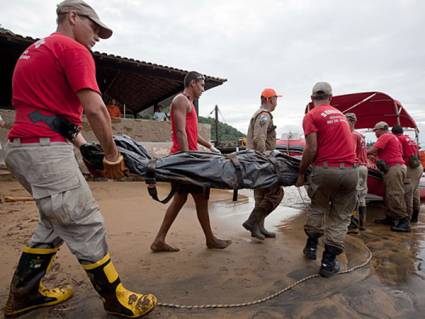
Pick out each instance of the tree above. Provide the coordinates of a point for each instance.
(226, 133)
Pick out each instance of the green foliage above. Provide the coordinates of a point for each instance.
(226, 133)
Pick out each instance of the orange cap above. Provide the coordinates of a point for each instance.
(269, 93)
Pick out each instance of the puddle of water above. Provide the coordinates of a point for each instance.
(396, 256)
(234, 213)
(418, 247)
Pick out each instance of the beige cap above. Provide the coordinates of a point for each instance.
(322, 89)
(381, 126)
(351, 117)
(84, 9)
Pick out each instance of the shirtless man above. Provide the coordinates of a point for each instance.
(185, 137)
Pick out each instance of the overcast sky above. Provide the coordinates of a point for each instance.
(286, 44)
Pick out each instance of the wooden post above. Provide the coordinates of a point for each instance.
(216, 125)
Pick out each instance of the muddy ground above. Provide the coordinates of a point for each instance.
(391, 286)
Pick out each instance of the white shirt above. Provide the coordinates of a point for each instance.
(159, 116)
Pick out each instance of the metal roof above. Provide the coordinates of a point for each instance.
(137, 84)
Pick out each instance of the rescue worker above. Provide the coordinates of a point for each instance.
(261, 137)
(358, 219)
(330, 150)
(414, 171)
(185, 137)
(390, 161)
(53, 81)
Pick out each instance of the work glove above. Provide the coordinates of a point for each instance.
(214, 150)
(116, 169)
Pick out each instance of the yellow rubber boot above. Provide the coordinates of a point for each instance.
(27, 291)
(117, 300)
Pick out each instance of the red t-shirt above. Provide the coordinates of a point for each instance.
(409, 147)
(47, 77)
(361, 149)
(191, 131)
(389, 149)
(334, 139)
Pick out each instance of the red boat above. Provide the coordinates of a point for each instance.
(370, 108)
(292, 145)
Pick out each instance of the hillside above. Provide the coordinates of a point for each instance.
(226, 132)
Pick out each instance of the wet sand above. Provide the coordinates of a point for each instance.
(392, 286)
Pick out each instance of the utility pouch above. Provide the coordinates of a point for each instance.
(382, 166)
(65, 128)
(413, 162)
(56, 123)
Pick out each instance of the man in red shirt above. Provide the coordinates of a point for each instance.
(359, 222)
(414, 171)
(390, 159)
(333, 180)
(185, 137)
(53, 81)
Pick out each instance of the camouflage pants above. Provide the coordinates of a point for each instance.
(333, 197)
(268, 198)
(394, 199)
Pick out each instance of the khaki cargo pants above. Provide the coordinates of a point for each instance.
(394, 199)
(333, 197)
(413, 201)
(67, 210)
(362, 185)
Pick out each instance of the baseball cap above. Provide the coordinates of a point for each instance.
(397, 129)
(322, 89)
(351, 117)
(381, 126)
(84, 9)
(268, 92)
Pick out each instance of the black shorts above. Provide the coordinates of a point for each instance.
(191, 189)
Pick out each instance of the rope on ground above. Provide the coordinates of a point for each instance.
(269, 297)
(301, 196)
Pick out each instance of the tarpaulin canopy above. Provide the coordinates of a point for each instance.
(372, 107)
